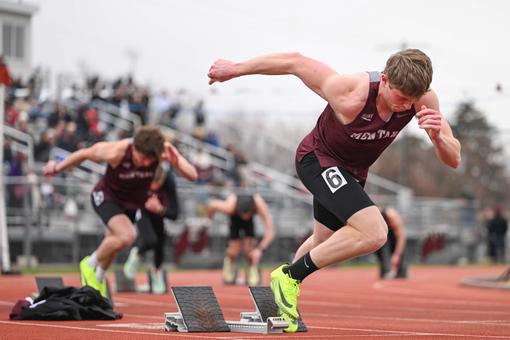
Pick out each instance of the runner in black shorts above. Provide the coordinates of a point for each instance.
(108, 208)
(333, 211)
(242, 208)
(121, 191)
(162, 203)
(391, 257)
(364, 114)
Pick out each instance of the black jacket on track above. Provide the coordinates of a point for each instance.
(68, 303)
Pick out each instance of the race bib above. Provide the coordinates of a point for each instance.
(334, 179)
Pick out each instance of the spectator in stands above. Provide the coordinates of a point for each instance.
(16, 191)
(95, 133)
(8, 153)
(391, 255)
(138, 104)
(162, 202)
(199, 113)
(119, 93)
(199, 133)
(242, 208)
(239, 165)
(122, 190)
(202, 161)
(43, 148)
(364, 114)
(67, 139)
(82, 126)
(87, 125)
(496, 230)
(11, 115)
(22, 125)
(59, 117)
(161, 102)
(211, 138)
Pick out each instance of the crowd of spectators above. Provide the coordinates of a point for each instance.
(73, 120)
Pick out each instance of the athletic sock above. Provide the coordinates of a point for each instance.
(92, 261)
(100, 273)
(301, 268)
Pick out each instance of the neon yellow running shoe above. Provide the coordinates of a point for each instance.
(88, 274)
(293, 324)
(229, 271)
(286, 292)
(254, 277)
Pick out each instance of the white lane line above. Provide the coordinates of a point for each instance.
(505, 323)
(158, 326)
(142, 302)
(382, 333)
(416, 333)
(102, 330)
(399, 308)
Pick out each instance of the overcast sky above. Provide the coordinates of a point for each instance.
(176, 41)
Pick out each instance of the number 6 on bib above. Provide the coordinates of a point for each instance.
(334, 179)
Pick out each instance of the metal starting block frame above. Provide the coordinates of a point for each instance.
(266, 313)
(48, 281)
(199, 311)
(251, 322)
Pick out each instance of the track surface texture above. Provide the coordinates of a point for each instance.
(336, 303)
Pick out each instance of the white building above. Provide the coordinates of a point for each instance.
(16, 36)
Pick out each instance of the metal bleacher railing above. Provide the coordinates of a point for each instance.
(117, 117)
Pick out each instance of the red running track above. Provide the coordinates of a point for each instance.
(339, 303)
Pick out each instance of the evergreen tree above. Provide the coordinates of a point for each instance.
(483, 169)
(411, 161)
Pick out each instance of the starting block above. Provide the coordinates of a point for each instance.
(48, 281)
(266, 311)
(124, 284)
(199, 311)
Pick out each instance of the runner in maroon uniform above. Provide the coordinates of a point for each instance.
(391, 256)
(122, 190)
(242, 208)
(365, 113)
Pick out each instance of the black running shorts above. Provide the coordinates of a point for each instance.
(106, 209)
(337, 195)
(239, 226)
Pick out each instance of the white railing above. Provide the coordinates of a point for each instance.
(23, 142)
(221, 158)
(114, 115)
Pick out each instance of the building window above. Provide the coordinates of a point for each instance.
(13, 41)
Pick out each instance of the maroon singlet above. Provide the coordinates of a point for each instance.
(357, 145)
(126, 184)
